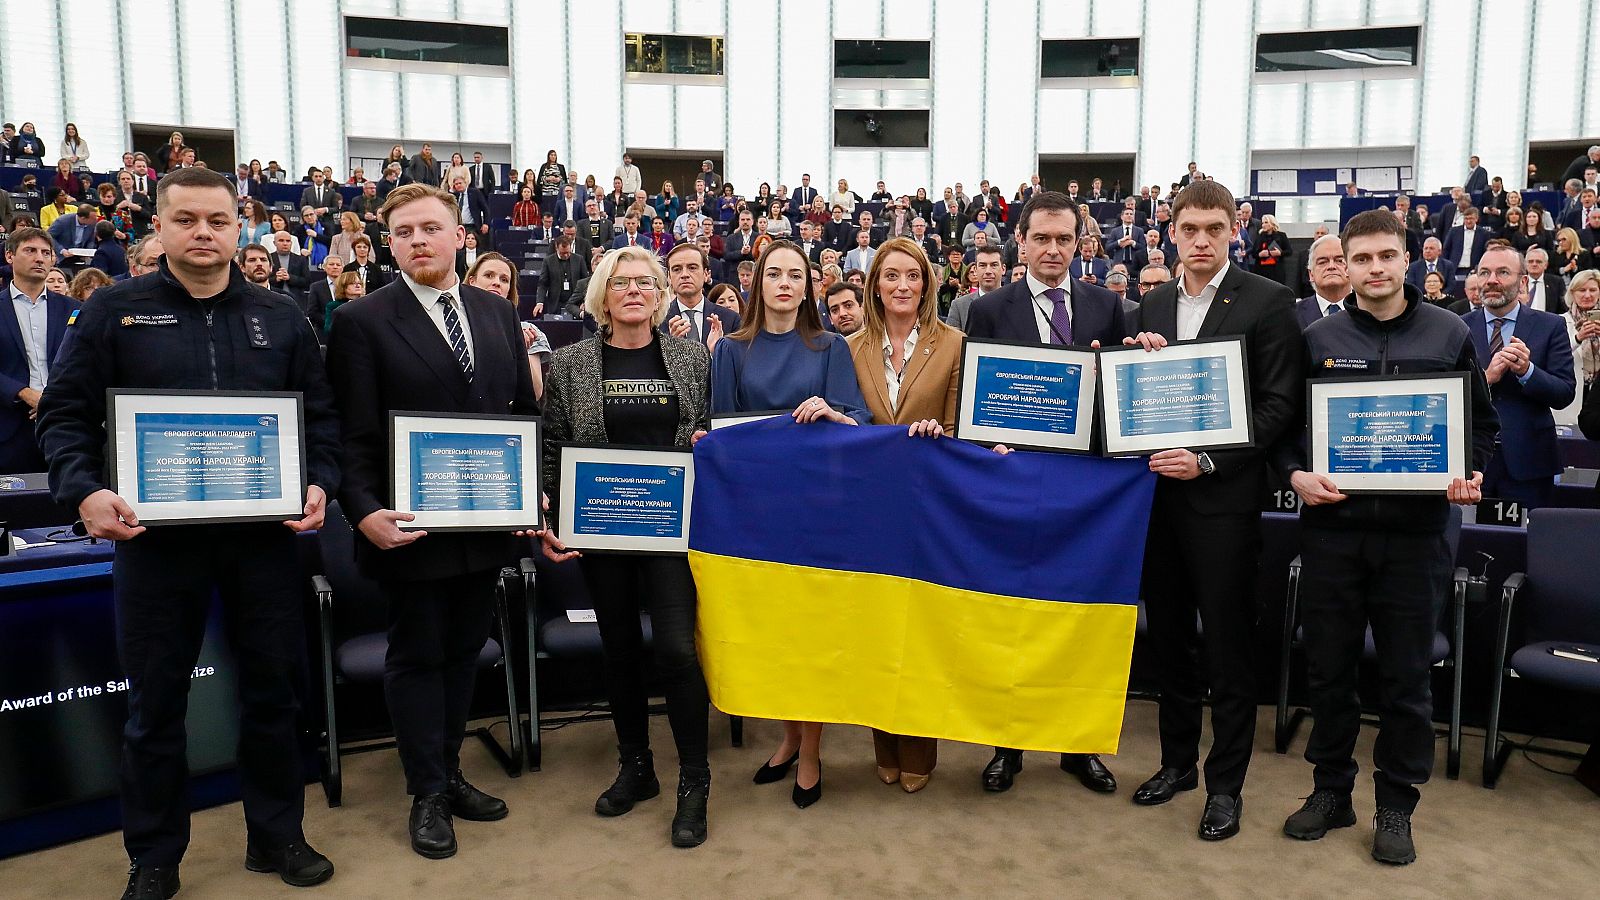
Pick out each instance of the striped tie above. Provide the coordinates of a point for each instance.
(458, 341)
(1497, 341)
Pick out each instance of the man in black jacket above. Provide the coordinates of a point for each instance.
(426, 342)
(1377, 562)
(562, 269)
(195, 324)
(1205, 526)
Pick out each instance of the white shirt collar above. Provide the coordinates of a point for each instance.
(16, 293)
(1037, 287)
(428, 296)
(1210, 290)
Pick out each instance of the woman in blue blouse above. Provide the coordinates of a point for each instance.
(781, 358)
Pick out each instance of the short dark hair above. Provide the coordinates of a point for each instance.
(247, 249)
(20, 236)
(200, 178)
(839, 287)
(1046, 200)
(986, 250)
(1205, 195)
(1373, 222)
(685, 247)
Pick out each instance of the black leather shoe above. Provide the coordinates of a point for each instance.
(1090, 770)
(1391, 837)
(433, 835)
(151, 883)
(689, 823)
(1166, 784)
(1323, 810)
(1002, 770)
(636, 780)
(467, 802)
(296, 863)
(804, 797)
(1220, 820)
(769, 773)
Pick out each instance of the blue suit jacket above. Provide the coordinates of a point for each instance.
(1527, 430)
(1477, 182)
(640, 238)
(1418, 270)
(64, 233)
(1007, 314)
(1454, 239)
(16, 430)
(1308, 310)
(1097, 267)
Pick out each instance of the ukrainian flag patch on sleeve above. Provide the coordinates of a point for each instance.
(73, 319)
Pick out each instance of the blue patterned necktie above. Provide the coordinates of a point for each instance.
(1497, 341)
(1060, 321)
(458, 340)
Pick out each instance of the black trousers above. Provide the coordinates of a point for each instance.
(1206, 564)
(437, 628)
(621, 587)
(163, 583)
(1396, 583)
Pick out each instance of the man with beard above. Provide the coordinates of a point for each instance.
(426, 342)
(1527, 361)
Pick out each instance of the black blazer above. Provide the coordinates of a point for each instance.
(375, 277)
(388, 355)
(1007, 314)
(1262, 311)
(479, 207)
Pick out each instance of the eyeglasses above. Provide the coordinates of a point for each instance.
(1498, 274)
(643, 282)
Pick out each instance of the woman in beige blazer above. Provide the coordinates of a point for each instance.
(909, 365)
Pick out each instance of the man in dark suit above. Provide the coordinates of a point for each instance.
(1477, 178)
(809, 245)
(1546, 291)
(1432, 260)
(1329, 282)
(800, 200)
(323, 198)
(689, 315)
(320, 294)
(1205, 525)
(1125, 242)
(631, 235)
(31, 328)
(562, 271)
(473, 208)
(483, 177)
(568, 208)
(1049, 307)
(737, 244)
(1465, 243)
(245, 187)
(597, 227)
(1527, 361)
(290, 273)
(426, 342)
(74, 232)
(950, 222)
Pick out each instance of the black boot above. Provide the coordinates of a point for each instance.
(636, 780)
(694, 789)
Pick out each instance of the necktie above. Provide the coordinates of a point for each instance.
(1497, 341)
(1332, 308)
(694, 322)
(458, 341)
(1060, 321)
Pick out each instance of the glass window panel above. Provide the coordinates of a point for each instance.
(881, 59)
(1360, 48)
(880, 128)
(437, 42)
(672, 54)
(1089, 58)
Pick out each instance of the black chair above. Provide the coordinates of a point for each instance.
(1446, 651)
(355, 640)
(1560, 612)
(550, 591)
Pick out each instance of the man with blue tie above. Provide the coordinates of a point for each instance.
(1047, 306)
(74, 232)
(33, 327)
(1126, 242)
(1527, 362)
(1330, 283)
(1466, 242)
(1432, 260)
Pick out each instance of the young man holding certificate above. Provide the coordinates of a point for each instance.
(1379, 562)
(426, 343)
(1205, 527)
(196, 325)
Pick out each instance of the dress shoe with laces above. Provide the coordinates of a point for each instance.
(1391, 837)
(1324, 810)
(433, 835)
(1090, 771)
(151, 883)
(1220, 820)
(295, 862)
(1166, 784)
(467, 802)
(1002, 770)
(636, 780)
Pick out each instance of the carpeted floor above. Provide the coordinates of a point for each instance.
(1537, 835)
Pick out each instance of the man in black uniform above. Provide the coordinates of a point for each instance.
(1378, 562)
(195, 324)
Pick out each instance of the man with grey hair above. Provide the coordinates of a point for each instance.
(1590, 157)
(1473, 300)
(1432, 261)
(143, 256)
(1546, 291)
(1330, 284)
(1151, 277)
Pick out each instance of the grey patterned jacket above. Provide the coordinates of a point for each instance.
(574, 410)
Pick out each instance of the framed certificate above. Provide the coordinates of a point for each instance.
(628, 499)
(1027, 396)
(1394, 434)
(727, 419)
(204, 457)
(1195, 395)
(465, 472)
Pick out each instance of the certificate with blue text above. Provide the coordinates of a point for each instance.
(1194, 395)
(626, 499)
(465, 472)
(1026, 396)
(1400, 434)
(198, 457)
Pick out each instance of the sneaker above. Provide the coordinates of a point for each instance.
(1391, 837)
(295, 862)
(151, 883)
(1323, 810)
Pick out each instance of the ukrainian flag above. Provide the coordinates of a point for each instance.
(925, 587)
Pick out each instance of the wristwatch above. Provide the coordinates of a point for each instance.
(1207, 467)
